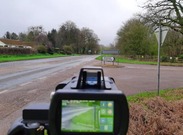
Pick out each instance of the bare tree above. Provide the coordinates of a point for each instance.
(170, 12)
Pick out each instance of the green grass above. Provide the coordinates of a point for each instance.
(131, 61)
(8, 58)
(169, 95)
(84, 118)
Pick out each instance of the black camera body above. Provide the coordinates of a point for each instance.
(89, 104)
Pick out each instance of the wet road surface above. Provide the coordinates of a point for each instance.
(129, 78)
(23, 72)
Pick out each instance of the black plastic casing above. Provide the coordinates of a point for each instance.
(36, 113)
(121, 111)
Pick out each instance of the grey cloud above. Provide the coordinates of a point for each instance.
(103, 16)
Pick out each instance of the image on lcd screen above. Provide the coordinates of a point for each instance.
(91, 79)
(87, 116)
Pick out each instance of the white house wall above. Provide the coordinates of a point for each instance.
(2, 44)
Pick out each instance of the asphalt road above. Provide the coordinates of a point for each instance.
(26, 82)
(29, 82)
(133, 78)
(23, 72)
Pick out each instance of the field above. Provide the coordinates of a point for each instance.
(132, 61)
(156, 115)
(7, 58)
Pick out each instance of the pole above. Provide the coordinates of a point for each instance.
(159, 52)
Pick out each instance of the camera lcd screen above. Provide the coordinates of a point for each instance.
(87, 116)
(91, 78)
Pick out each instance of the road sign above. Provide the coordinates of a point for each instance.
(108, 59)
(110, 51)
(160, 33)
(163, 31)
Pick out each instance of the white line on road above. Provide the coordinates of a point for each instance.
(32, 91)
(42, 78)
(23, 84)
(4, 91)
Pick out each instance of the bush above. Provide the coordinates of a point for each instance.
(165, 59)
(67, 49)
(50, 51)
(173, 60)
(42, 49)
(57, 50)
(181, 57)
(16, 51)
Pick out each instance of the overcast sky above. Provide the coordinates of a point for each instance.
(104, 17)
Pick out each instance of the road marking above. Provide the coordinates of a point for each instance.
(32, 91)
(23, 84)
(4, 91)
(42, 78)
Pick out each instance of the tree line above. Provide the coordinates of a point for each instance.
(67, 39)
(136, 36)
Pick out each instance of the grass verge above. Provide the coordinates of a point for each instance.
(8, 58)
(84, 118)
(131, 61)
(169, 95)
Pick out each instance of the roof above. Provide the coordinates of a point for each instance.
(15, 42)
(2, 44)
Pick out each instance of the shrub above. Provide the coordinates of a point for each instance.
(16, 51)
(67, 49)
(50, 51)
(165, 59)
(57, 50)
(181, 57)
(42, 49)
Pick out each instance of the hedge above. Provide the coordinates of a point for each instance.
(16, 51)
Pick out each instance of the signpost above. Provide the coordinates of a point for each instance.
(160, 35)
(116, 52)
(109, 58)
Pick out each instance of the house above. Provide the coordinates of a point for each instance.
(15, 43)
(2, 44)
